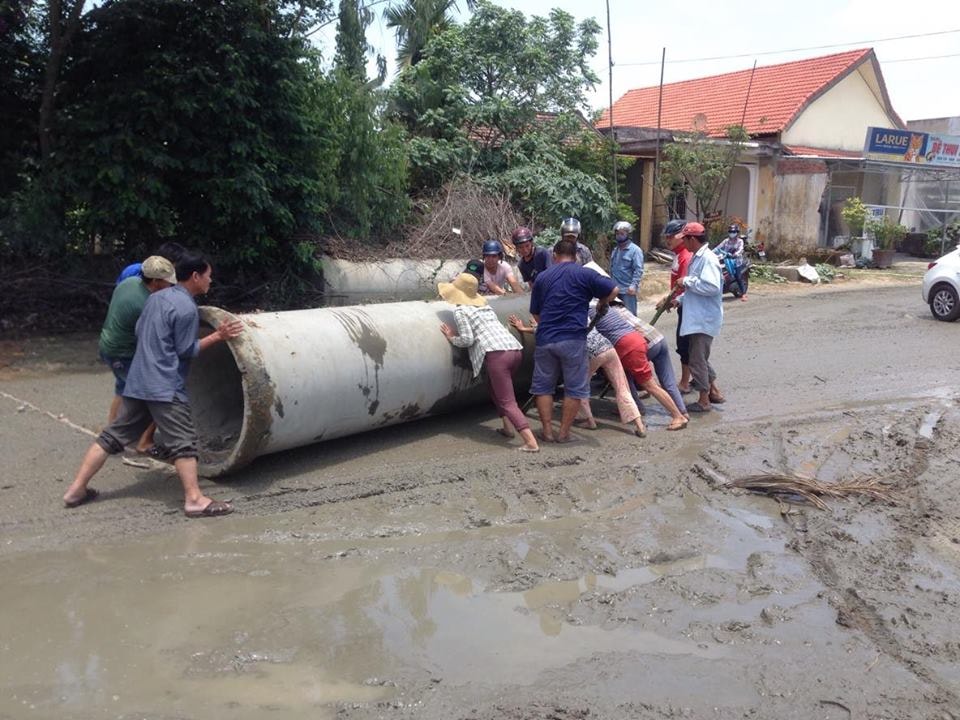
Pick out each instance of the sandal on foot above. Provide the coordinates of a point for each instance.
(585, 424)
(215, 508)
(717, 399)
(640, 433)
(677, 425)
(524, 448)
(568, 439)
(89, 496)
(696, 407)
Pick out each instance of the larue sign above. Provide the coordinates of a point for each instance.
(907, 146)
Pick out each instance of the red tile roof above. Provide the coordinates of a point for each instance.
(777, 95)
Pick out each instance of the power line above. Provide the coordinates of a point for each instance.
(927, 57)
(814, 47)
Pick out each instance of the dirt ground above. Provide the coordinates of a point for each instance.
(431, 571)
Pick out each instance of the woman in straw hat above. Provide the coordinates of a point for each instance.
(492, 348)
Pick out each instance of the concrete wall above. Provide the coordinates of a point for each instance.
(839, 118)
(764, 227)
(799, 187)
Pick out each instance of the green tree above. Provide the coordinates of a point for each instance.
(700, 166)
(501, 99)
(195, 121)
(415, 22)
(372, 161)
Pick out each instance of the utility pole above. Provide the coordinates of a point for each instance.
(613, 138)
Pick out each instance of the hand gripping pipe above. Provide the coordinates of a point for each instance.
(299, 377)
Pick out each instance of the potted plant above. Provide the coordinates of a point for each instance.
(887, 234)
(854, 214)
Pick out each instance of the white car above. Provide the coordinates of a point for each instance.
(941, 286)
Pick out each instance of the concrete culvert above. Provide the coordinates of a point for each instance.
(299, 377)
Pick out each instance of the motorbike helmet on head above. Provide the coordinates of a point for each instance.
(673, 227)
(624, 227)
(521, 235)
(475, 268)
(493, 247)
(570, 226)
(734, 229)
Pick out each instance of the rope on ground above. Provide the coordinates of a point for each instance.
(24, 405)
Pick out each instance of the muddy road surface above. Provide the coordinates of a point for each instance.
(432, 571)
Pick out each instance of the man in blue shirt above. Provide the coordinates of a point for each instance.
(156, 388)
(559, 302)
(626, 266)
(533, 259)
(702, 302)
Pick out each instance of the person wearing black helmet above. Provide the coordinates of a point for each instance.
(497, 275)
(533, 259)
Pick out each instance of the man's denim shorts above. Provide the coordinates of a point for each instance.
(567, 358)
(121, 368)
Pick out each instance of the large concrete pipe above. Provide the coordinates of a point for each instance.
(296, 378)
(397, 279)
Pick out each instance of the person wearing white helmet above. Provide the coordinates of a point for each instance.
(626, 265)
(570, 230)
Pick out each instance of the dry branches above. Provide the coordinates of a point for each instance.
(464, 205)
(791, 488)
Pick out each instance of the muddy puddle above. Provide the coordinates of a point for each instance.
(238, 617)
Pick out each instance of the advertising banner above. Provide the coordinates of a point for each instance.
(895, 145)
(906, 146)
(943, 150)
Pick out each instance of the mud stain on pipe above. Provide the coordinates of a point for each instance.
(362, 331)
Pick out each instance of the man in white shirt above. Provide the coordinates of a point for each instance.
(702, 303)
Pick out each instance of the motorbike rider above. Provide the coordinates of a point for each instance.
(730, 251)
(533, 259)
(626, 265)
(497, 275)
(570, 230)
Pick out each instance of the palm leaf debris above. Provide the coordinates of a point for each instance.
(794, 488)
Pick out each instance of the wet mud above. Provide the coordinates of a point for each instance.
(431, 571)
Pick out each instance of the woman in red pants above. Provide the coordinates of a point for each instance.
(492, 348)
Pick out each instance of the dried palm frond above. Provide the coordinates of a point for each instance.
(791, 488)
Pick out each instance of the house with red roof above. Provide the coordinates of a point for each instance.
(806, 120)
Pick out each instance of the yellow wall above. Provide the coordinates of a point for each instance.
(839, 118)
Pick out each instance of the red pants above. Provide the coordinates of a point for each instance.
(500, 366)
(632, 351)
